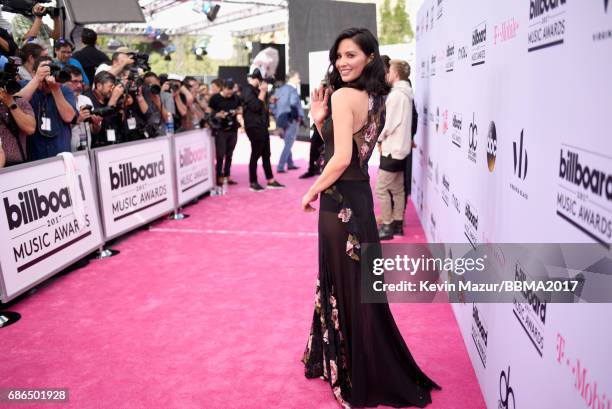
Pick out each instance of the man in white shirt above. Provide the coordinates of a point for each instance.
(81, 128)
(395, 144)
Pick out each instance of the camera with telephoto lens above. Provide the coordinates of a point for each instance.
(25, 8)
(61, 76)
(8, 76)
(102, 111)
(174, 87)
(141, 60)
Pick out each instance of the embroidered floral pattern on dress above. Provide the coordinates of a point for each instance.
(345, 215)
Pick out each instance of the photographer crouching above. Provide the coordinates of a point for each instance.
(17, 119)
(54, 108)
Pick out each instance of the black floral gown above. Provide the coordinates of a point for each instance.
(355, 346)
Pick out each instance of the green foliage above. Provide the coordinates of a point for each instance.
(395, 27)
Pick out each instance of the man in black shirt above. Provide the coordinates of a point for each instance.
(225, 107)
(256, 122)
(89, 56)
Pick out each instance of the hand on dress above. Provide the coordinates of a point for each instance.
(308, 198)
(318, 104)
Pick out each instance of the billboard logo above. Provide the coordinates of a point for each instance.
(480, 335)
(34, 206)
(128, 174)
(450, 57)
(585, 194)
(548, 29)
(479, 44)
(457, 125)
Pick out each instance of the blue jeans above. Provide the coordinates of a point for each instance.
(290, 135)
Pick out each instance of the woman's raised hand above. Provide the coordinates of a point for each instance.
(318, 104)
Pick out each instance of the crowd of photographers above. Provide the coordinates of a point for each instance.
(55, 99)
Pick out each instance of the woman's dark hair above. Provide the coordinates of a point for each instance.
(372, 79)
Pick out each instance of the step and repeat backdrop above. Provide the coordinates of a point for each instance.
(514, 145)
(52, 216)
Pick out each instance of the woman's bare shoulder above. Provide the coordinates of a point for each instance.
(350, 96)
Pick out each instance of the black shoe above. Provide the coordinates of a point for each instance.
(385, 232)
(307, 175)
(292, 167)
(231, 182)
(398, 227)
(275, 185)
(256, 187)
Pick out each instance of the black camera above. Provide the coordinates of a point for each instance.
(61, 76)
(25, 7)
(155, 89)
(102, 111)
(8, 76)
(141, 60)
(174, 87)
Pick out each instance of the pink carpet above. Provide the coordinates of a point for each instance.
(209, 312)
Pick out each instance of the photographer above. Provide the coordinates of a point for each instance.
(54, 109)
(29, 53)
(63, 52)
(17, 119)
(28, 25)
(120, 61)
(171, 100)
(256, 123)
(194, 114)
(105, 97)
(157, 113)
(225, 108)
(135, 106)
(82, 126)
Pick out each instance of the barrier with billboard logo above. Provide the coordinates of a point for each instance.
(39, 231)
(135, 184)
(130, 185)
(513, 146)
(193, 158)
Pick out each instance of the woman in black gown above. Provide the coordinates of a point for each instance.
(355, 346)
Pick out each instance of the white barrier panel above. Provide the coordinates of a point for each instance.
(39, 233)
(135, 184)
(193, 159)
(514, 146)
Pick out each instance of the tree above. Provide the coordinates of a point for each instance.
(395, 25)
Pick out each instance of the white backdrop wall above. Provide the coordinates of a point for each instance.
(514, 102)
